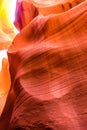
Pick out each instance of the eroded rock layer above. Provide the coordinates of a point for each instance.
(48, 69)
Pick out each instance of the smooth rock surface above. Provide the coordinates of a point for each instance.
(48, 71)
(25, 12)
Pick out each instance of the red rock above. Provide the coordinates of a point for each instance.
(25, 12)
(48, 74)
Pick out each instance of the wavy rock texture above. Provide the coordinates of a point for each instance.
(27, 10)
(49, 74)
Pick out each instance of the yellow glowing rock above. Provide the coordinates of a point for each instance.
(7, 29)
(7, 33)
(4, 79)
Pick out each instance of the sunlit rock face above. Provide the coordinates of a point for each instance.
(46, 7)
(47, 62)
(7, 34)
(27, 10)
(4, 78)
(7, 29)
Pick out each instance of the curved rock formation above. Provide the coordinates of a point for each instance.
(25, 12)
(49, 74)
